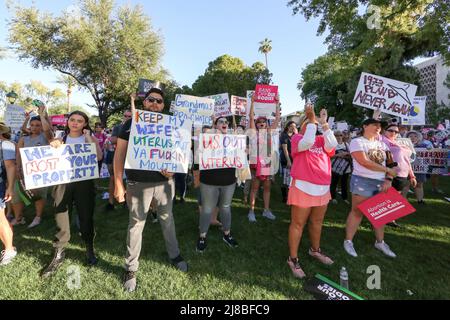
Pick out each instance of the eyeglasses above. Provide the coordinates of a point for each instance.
(153, 99)
(393, 131)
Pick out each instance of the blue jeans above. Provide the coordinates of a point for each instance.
(211, 195)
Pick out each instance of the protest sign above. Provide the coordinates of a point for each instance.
(417, 113)
(385, 207)
(14, 117)
(239, 106)
(407, 143)
(331, 122)
(45, 166)
(58, 120)
(342, 126)
(159, 142)
(391, 96)
(431, 161)
(447, 124)
(220, 151)
(104, 172)
(198, 110)
(145, 85)
(264, 104)
(323, 288)
(222, 106)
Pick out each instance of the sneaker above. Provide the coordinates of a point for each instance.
(15, 222)
(201, 244)
(154, 217)
(129, 281)
(348, 246)
(394, 224)
(269, 215)
(56, 262)
(347, 202)
(36, 222)
(7, 256)
(295, 268)
(334, 201)
(383, 247)
(321, 257)
(251, 216)
(228, 239)
(180, 264)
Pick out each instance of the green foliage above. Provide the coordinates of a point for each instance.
(105, 51)
(229, 74)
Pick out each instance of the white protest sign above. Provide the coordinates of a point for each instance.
(196, 109)
(221, 151)
(14, 117)
(431, 161)
(45, 166)
(342, 126)
(392, 96)
(221, 105)
(417, 113)
(239, 105)
(158, 142)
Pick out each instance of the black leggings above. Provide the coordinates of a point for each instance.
(334, 181)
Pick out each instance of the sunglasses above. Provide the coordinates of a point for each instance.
(153, 99)
(393, 131)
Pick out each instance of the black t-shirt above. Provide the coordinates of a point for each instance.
(139, 175)
(217, 177)
(285, 139)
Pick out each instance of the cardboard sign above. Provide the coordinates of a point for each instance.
(431, 161)
(265, 101)
(196, 109)
(392, 96)
(158, 142)
(221, 151)
(45, 166)
(58, 120)
(385, 207)
(323, 288)
(222, 107)
(417, 114)
(145, 85)
(239, 106)
(14, 117)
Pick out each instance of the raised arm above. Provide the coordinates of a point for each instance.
(277, 114)
(46, 127)
(24, 127)
(251, 114)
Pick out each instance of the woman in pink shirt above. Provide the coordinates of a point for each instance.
(309, 193)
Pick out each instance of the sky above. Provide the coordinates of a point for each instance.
(198, 31)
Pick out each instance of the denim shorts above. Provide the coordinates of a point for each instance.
(365, 187)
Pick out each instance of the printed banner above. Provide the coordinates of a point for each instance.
(221, 151)
(45, 166)
(265, 101)
(239, 106)
(145, 85)
(14, 117)
(392, 96)
(385, 207)
(431, 161)
(323, 288)
(159, 142)
(417, 113)
(58, 120)
(222, 107)
(196, 109)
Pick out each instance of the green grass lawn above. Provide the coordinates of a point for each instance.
(257, 269)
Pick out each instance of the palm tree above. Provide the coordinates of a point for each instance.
(265, 47)
(69, 82)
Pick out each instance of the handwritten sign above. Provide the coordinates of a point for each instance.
(221, 105)
(385, 207)
(196, 109)
(220, 151)
(58, 120)
(158, 142)
(417, 114)
(265, 101)
(392, 96)
(432, 161)
(14, 117)
(45, 166)
(239, 106)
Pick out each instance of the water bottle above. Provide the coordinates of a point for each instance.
(343, 276)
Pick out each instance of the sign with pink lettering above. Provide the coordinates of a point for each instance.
(58, 120)
(221, 151)
(391, 96)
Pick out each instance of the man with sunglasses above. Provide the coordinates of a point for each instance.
(143, 187)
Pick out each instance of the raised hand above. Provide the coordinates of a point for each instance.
(309, 111)
(323, 116)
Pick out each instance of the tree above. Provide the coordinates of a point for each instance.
(265, 47)
(106, 54)
(69, 82)
(230, 74)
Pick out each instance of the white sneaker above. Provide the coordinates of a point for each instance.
(251, 216)
(269, 215)
(383, 247)
(7, 256)
(14, 222)
(348, 246)
(36, 222)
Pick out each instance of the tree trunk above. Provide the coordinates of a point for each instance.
(267, 66)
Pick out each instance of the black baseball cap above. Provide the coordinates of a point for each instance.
(371, 121)
(156, 90)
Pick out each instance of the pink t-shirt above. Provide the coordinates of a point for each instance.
(101, 137)
(401, 155)
(312, 165)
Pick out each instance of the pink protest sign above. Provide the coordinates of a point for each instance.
(385, 207)
(58, 120)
